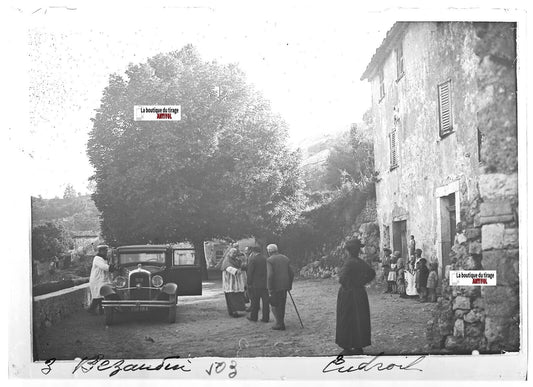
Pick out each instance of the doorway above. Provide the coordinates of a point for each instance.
(399, 237)
(448, 224)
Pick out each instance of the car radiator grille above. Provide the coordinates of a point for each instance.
(141, 280)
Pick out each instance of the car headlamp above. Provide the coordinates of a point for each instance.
(120, 282)
(157, 281)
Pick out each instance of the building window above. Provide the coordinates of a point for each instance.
(445, 108)
(393, 146)
(399, 62)
(479, 144)
(381, 85)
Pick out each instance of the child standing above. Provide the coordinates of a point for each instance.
(400, 281)
(391, 279)
(432, 281)
(422, 279)
(412, 247)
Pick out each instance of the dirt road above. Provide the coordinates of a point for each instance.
(203, 328)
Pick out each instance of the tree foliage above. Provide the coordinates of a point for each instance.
(70, 192)
(77, 213)
(222, 171)
(351, 160)
(332, 212)
(49, 240)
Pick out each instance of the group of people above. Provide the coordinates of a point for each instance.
(262, 281)
(266, 282)
(410, 277)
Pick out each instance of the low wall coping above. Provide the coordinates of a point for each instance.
(60, 292)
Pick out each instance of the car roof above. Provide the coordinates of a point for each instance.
(142, 248)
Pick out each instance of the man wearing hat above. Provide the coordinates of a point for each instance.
(99, 276)
(279, 281)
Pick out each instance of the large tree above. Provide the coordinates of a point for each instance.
(224, 170)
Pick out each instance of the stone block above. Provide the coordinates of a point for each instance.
(492, 236)
(500, 301)
(495, 186)
(466, 292)
(479, 303)
(459, 313)
(473, 316)
(453, 343)
(461, 302)
(510, 238)
(494, 329)
(496, 212)
(472, 233)
(474, 248)
(459, 328)
(474, 330)
(506, 264)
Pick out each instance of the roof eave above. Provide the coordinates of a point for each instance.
(383, 50)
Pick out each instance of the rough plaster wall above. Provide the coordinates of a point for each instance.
(433, 53)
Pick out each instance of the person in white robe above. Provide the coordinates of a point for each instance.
(99, 276)
(233, 282)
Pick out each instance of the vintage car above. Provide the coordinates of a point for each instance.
(151, 277)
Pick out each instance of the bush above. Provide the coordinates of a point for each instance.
(49, 240)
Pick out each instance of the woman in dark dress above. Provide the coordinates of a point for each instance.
(353, 311)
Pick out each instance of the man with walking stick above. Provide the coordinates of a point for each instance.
(279, 282)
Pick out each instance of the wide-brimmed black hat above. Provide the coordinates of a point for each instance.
(353, 243)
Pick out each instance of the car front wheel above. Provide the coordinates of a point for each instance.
(109, 315)
(172, 314)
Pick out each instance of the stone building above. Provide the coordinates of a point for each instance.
(445, 143)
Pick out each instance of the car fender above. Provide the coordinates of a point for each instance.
(106, 291)
(170, 288)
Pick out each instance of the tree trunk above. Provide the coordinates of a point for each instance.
(200, 253)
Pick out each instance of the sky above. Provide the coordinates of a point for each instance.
(306, 60)
(305, 57)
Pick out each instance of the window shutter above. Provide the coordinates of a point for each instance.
(393, 149)
(445, 108)
(381, 85)
(399, 62)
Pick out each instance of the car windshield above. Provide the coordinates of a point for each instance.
(158, 257)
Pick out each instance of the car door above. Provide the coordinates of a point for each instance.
(186, 272)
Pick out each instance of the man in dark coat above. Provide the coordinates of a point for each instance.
(257, 285)
(279, 281)
(353, 311)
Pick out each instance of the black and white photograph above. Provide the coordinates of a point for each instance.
(285, 191)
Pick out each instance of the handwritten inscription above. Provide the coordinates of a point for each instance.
(98, 363)
(339, 365)
(170, 363)
(219, 366)
(46, 370)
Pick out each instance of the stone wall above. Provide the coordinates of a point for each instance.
(488, 318)
(51, 308)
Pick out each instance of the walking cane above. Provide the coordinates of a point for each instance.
(296, 309)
